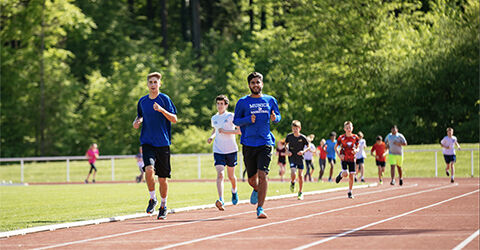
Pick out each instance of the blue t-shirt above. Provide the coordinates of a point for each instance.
(156, 128)
(258, 133)
(331, 148)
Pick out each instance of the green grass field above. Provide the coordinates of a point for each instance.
(420, 164)
(29, 206)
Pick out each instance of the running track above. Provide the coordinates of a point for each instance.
(423, 214)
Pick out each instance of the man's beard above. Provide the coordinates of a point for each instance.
(255, 92)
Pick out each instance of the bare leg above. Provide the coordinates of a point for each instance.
(350, 181)
(300, 180)
(150, 178)
(253, 182)
(163, 187)
(232, 177)
(262, 187)
(331, 171)
(220, 185)
(392, 172)
(399, 171)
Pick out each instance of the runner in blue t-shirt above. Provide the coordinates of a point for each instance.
(253, 114)
(330, 148)
(156, 112)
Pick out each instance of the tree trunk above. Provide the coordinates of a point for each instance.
(150, 10)
(130, 7)
(250, 14)
(263, 19)
(42, 83)
(184, 20)
(196, 25)
(164, 14)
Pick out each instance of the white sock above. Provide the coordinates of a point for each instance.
(163, 203)
(349, 190)
(152, 195)
(234, 190)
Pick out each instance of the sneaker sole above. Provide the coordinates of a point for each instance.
(153, 209)
(219, 205)
(262, 216)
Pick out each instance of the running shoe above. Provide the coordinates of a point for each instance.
(151, 206)
(329, 179)
(350, 195)
(401, 182)
(380, 182)
(362, 180)
(254, 197)
(392, 182)
(93, 181)
(219, 205)
(300, 196)
(447, 172)
(162, 213)
(355, 179)
(452, 181)
(234, 198)
(86, 181)
(292, 187)
(260, 213)
(339, 178)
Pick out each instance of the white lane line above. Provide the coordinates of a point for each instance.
(380, 221)
(209, 219)
(299, 218)
(466, 241)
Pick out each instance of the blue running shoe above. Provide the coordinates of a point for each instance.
(151, 206)
(234, 198)
(254, 197)
(260, 213)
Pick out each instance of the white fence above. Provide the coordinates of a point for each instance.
(112, 158)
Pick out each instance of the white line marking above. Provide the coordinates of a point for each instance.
(209, 219)
(466, 241)
(299, 218)
(380, 221)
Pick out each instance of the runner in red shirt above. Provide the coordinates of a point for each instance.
(349, 146)
(380, 150)
(322, 159)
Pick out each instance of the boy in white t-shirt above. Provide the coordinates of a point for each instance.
(360, 156)
(224, 148)
(308, 157)
(448, 144)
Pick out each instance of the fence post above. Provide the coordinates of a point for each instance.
(199, 164)
(68, 170)
(436, 165)
(21, 171)
(113, 169)
(471, 158)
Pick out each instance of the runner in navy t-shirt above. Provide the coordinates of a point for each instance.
(156, 112)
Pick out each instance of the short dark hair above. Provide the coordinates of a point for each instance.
(379, 138)
(333, 133)
(395, 127)
(222, 98)
(254, 75)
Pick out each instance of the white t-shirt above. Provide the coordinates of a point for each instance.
(308, 155)
(450, 143)
(224, 143)
(361, 149)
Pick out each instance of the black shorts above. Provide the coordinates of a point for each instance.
(282, 160)
(330, 160)
(380, 163)
(322, 163)
(256, 158)
(450, 158)
(92, 167)
(360, 161)
(350, 165)
(225, 159)
(159, 158)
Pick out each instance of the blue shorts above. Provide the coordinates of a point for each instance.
(330, 159)
(360, 160)
(450, 158)
(225, 159)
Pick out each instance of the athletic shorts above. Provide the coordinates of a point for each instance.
(395, 160)
(331, 159)
(450, 158)
(159, 158)
(225, 159)
(257, 158)
(282, 160)
(296, 166)
(322, 163)
(92, 167)
(380, 163)
(350, 165)
(360, 160)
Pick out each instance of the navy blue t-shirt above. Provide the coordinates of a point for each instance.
(156, 128)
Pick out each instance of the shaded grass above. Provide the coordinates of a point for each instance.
(30, 206)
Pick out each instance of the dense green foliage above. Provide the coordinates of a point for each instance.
(73, 71)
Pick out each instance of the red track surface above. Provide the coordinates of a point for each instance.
(423, 214)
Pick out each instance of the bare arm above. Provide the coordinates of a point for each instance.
(171, 117)
(210, 139)
(235, 131)
(136, 123)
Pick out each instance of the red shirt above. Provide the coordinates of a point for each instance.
(348, 144)
(379, 151)
(323, 153)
